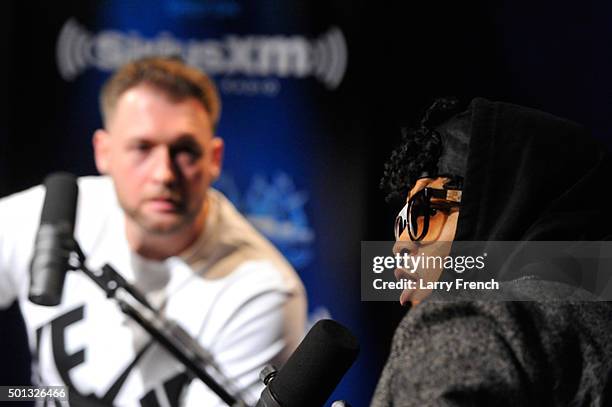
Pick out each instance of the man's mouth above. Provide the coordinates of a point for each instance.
(403, 274)
(164, 204)
(405, 297)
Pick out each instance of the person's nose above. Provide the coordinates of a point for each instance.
(164, 171)
(405, 246)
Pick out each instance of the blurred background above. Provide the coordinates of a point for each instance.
(314, 95)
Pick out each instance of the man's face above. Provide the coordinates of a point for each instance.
(162, 156)
(442, 228)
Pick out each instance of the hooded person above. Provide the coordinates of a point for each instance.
(501, 173)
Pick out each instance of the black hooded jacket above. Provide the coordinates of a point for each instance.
(530, 177)
(533, 176)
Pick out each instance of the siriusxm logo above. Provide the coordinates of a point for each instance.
(324, 58)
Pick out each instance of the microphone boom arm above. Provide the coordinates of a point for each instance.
(167, 333)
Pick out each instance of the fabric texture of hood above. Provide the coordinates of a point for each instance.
(533, 176)
(530, 177)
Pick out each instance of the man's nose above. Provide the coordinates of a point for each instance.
(164, 171)
(405, 246)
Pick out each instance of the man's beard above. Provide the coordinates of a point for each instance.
(157, 227)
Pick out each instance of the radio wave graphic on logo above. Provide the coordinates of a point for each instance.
(73, 50)
(330, 57)
(324, 58)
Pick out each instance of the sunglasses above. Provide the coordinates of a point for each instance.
(416, 215)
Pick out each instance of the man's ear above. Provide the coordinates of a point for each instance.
(217, 147)
(101, 147)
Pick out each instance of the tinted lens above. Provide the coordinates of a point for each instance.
(418, 215)
(401, 221)
(400, 225)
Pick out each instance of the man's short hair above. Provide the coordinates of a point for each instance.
(169, 75)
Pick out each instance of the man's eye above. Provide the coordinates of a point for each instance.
(141, 147)
(435, 211)
(186, 154)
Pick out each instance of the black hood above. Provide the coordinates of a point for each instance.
(533, 176)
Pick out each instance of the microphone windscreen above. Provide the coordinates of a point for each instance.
(54, 240)
(316, 367)
(60, 199)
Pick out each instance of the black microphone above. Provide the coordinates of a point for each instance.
(54, 240)
(314, 370)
